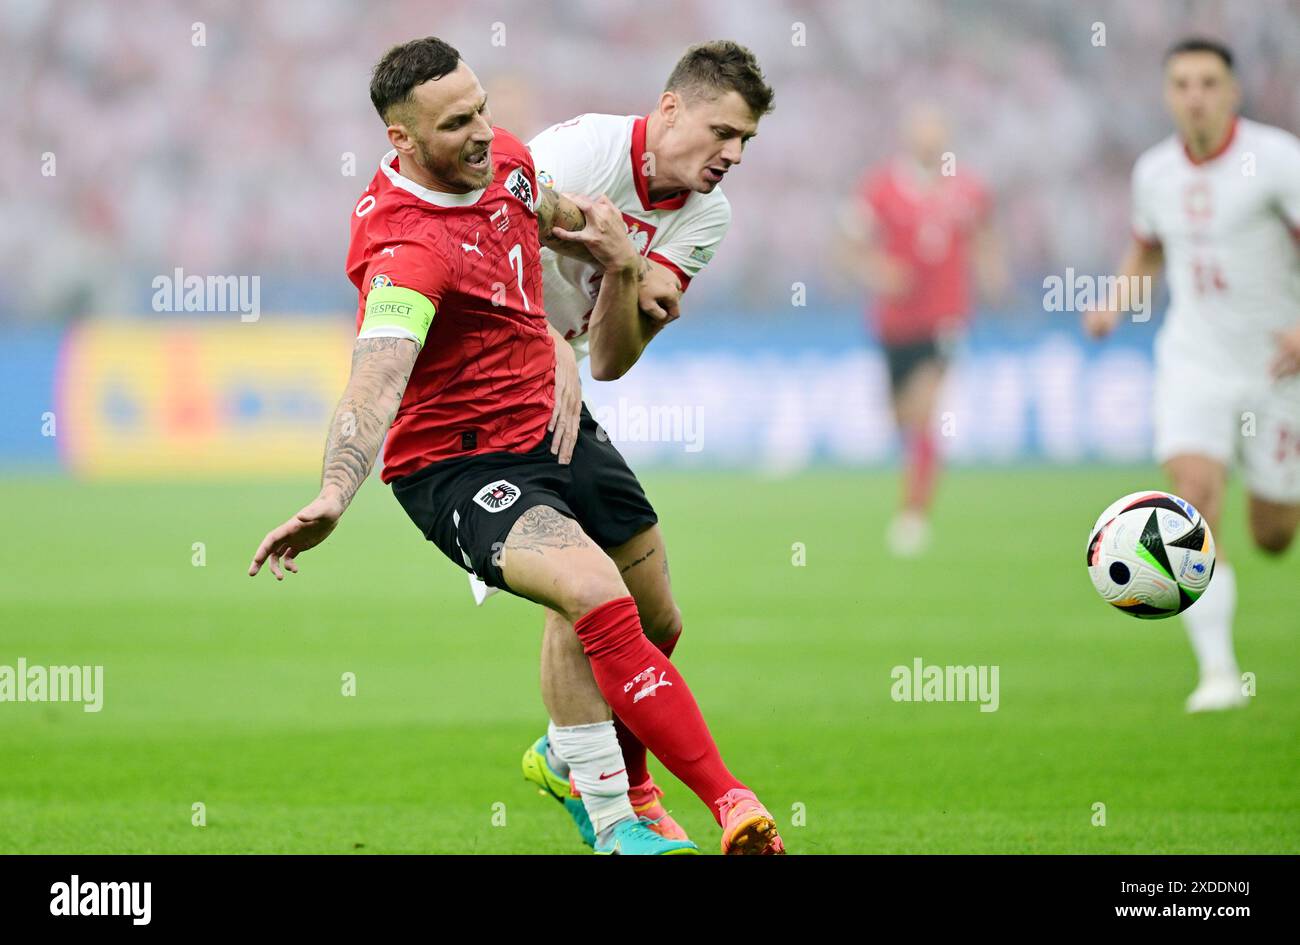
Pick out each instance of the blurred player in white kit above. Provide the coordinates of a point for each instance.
(1217, 205)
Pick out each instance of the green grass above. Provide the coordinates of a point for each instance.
(226, 691)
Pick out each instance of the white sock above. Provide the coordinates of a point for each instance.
(596, 764)
(558, 764)
(1209, 624)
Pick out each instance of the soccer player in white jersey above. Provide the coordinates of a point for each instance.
(658, 176)
(1217, 205)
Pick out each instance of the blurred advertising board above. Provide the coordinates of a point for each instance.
(139, 399)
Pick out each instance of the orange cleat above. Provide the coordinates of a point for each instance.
(747, 827)
(645, 801)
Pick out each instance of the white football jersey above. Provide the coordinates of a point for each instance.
(1228, 226)
(605, 154)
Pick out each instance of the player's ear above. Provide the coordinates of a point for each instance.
(400, 139)
(670, 106)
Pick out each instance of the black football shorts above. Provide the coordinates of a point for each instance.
(905, 359)
(467, 506)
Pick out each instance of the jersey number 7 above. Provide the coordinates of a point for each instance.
(516, 257)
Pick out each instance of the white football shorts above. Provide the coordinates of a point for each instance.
(1200, 408)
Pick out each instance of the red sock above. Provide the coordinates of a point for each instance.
(634, 754)
(647, 693)
(922, 464)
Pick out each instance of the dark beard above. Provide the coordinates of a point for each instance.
(453, 173)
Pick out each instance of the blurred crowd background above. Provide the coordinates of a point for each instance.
(233, 139)
(229, 157)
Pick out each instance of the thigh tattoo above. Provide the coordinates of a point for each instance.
(543, 529)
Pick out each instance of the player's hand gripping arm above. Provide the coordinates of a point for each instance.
(559, 218)
(380, 369)
(635, 300)
(555, 211)
(1143, 261)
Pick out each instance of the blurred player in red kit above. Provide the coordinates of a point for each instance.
(917, 225)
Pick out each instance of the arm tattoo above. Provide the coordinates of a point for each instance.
(629, 567)
(380, 369)
(568, 216)
(554, 210)
(546, 202)
(543, 529)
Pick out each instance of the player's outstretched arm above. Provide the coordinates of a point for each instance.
(381, 368)
(1143, 261)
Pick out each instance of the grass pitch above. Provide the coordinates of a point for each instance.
(227, 692)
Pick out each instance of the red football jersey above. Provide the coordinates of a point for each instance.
(485, 380)
(927, 227)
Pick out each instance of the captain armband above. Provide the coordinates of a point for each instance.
(396, 312)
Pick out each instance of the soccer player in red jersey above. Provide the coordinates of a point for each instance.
(915, 224)
(455, 362)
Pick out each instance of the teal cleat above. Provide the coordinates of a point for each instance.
(635, 838)
(548, 782)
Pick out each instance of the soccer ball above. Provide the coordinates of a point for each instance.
(1151, 555)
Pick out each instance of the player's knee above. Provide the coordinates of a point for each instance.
(587, 588)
